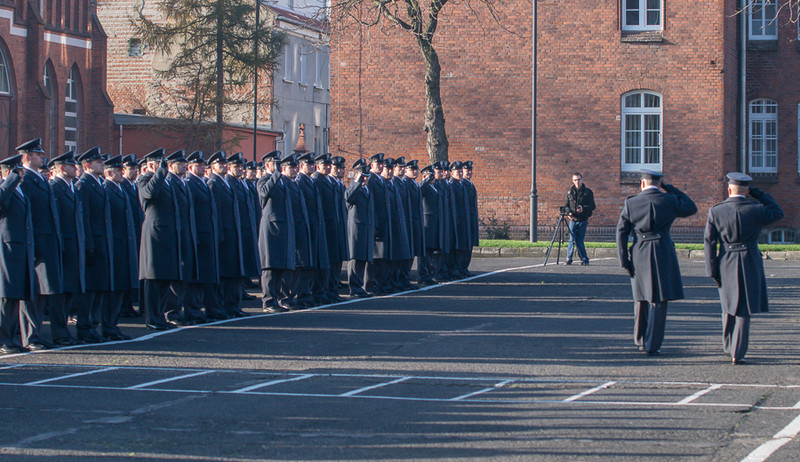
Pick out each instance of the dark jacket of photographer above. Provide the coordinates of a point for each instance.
(580, 196)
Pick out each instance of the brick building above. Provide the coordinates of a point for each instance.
(622, 85)
(53, 76)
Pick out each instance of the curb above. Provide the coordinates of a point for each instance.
(606, 253)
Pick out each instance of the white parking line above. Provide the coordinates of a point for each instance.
(273, 382)
(53, 379)
(700, 393)
(589, 392)
(372, 387)
(171, 379)
(762, 452)
(11, 366)
(485, 390)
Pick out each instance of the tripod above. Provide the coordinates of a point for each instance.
(559, 232)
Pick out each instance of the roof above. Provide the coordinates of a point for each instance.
(299, 19)
(127, 120)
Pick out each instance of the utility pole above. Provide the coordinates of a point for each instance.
(534, 223)
(255, 83)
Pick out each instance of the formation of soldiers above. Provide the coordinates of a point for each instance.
(86, 236)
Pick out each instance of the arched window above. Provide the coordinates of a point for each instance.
(5, 82)
(763, 145)
(641, 131)
(71, 110)
(52, 93)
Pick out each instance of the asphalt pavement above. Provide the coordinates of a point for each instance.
(520, 362)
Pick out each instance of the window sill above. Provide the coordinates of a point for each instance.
(285, 80)
(648, 36)
(303, 84)
(762, 45)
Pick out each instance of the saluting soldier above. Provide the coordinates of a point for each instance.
(652, 261)
(461, 209)
(360, 230)
(377, 270)
(443, 263)
(317, 286)
(17, 272)
(337, 174)
(249, 226)
(251, 178)
(73, 244)
(416, 233)
(472, 199)
(47, 248)
(276, 237)
(99, 246)
(734, 261)
(201, 289)
(130, 172)
(231, 263)
(432, 226)
(295, 281)
(125, 250)
(400, 250)
(327, 189)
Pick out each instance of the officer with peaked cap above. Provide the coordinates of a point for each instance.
(130, 172)
(73, 243)
(337, 175)
(398, 217)
(652, 261)
(472, 198)
(201, 289)
(231, 262)
(47, 248)
(442, 183)
(99, 247)
(432, 225)
(293, 281)
(463, 240)
(415, 232)
(250, 179)
(375, 280)
(249, 226)
(327, 190)
(125, 252)
(319, 267)
(17, 274)
(734, 260)
(360, 229)
(276, 237)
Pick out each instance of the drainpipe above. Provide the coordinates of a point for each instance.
(743, 87)
(120, 140)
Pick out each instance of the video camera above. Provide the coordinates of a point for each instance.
(564, 211)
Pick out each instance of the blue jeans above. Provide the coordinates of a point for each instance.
(577, 231)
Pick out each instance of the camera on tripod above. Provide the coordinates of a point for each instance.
(564, 211)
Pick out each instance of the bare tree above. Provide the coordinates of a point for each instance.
(420, 18)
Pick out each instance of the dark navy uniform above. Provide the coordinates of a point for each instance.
(360, 230)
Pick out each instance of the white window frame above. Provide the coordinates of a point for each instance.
(5, 80)
(784, 232)
(767, 123)
(642, 8)
(303, 63)
(320, 81)
(287, 63)
(71, 96)
(757, 21)
(642, 112)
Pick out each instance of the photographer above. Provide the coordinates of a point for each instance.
(578, 208)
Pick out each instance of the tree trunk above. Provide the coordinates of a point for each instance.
(220, 94)
(434, 113)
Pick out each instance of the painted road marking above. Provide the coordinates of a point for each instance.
(63, 377)
(171, 379)
(589, 392)
(372, 387)
(485, 390)
(700, 393)
(270, 383)
(784, 436)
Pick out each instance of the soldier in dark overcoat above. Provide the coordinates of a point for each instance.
(162, 265)
(17, 274)
(327, 187)
(231, 263)
(125, 250)
(462, 231)
(176, 309)
(416, 233)
(472, 199)
(444, 262)
(337, 174)
(652, 261)
(360, 229)
(47, 248)
(398, 206)
(73, 243)
(130, 172)
(201, 289)
(99, 245)
(377, 270)
(249, 225)
(432, 225)
(276, 237)
(312, 291)
(734, 261)
(295, 280)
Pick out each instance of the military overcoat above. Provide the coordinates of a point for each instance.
(303, 257)
(381, 205)
(17, 272)
(230, 228)
(649, 215)
(248, 226)
(360, 222)
(415, 232)
(46, 233)
(161, 252)
(206, 223)
(276, 233)
(432, 214)
(732, 254)
(316, 221)
(73, 238)
(472, 199)
(331, 213)
(400, 247)
(99, 237)
(126, 258)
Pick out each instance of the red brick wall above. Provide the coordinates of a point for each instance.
(584, 67)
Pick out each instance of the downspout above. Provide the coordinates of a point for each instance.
(742, 87)
(120, 140)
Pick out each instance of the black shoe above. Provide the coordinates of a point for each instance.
(116, 337)
(342, 285)
(9, 349)
(585, 263)
(738, 361)
(240, 314)
(654, 353)
(247, 297)
(158, 326)
(568, 262)
(361, 295)
(91, 338)
(66, 341)
(216, 317)
(335, 299)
